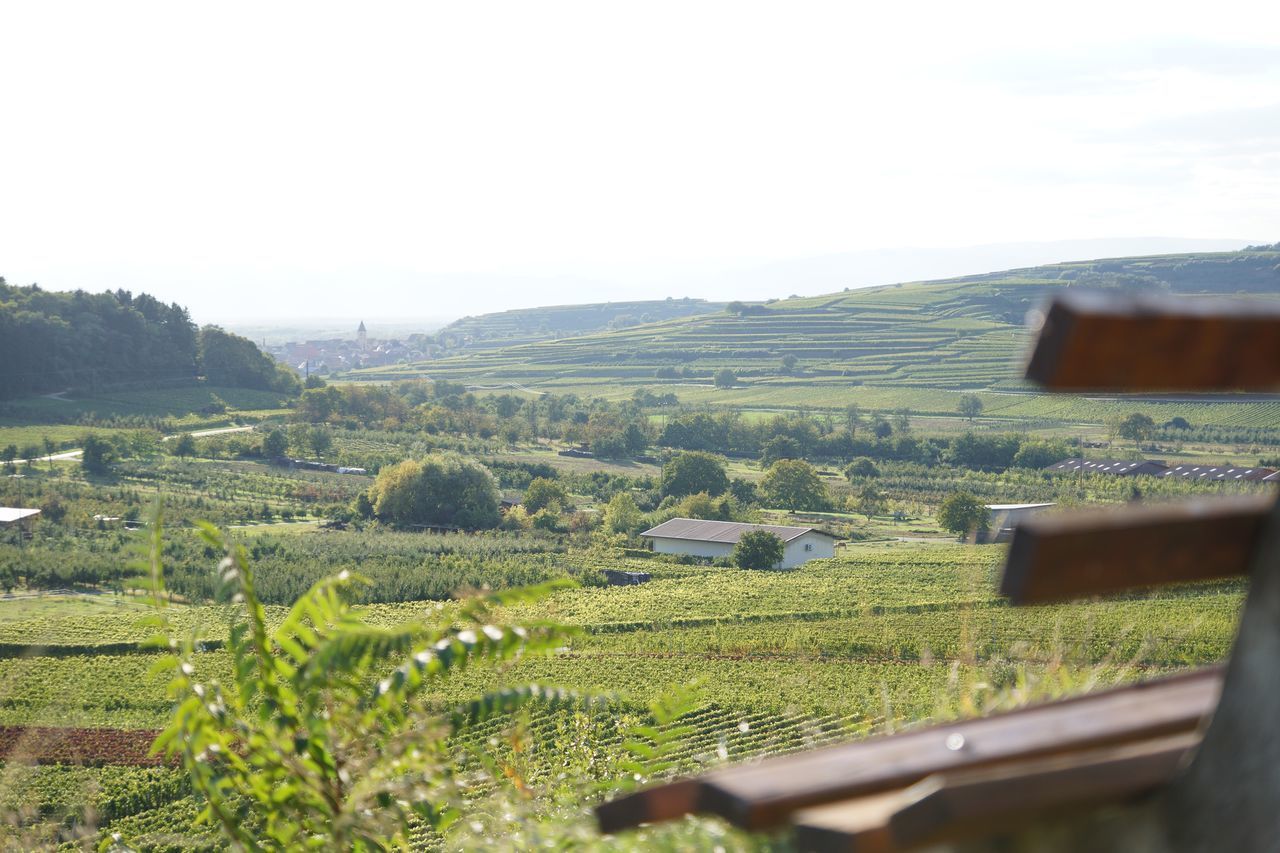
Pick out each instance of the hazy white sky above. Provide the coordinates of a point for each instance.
(426, 159)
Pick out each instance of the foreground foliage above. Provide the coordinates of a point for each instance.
(323, 736)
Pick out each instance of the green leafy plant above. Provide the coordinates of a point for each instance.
(326, 736)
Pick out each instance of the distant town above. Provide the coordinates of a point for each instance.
(334, 355)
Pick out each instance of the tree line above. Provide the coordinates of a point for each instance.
(55, 341)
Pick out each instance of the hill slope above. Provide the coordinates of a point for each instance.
(964, 333)
(526, 325)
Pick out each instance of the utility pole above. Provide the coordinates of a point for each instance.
(22, 539)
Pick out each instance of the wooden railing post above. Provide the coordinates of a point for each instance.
(1229, 798)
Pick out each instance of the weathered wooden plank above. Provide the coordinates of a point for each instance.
(1099, 341)
(860, 824)
(1069, 555)
(952, 808)
(765, 794)
(956, 806)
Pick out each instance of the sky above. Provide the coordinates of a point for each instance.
(295, 161)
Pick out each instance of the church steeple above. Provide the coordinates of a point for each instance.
(362, 336)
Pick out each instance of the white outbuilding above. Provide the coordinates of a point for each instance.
(700, 538)
(1005, 517)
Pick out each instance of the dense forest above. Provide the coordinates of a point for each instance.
(53, 341)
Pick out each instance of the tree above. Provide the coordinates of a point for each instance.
(621, 515)
(694, 471)
(543, 492)
(702, 505)
(276, 444)
(97, 454)
(880, 427)
(327, 735)
(758, 549)
(725, 378)
(871, 501)
(7, 455)
(49, 447)
(31, 453)
(1040, 454)
(789, 363)
(970, 406)
(233, 361)
(185, 446)
(1137, 427)
(1178, 422)
(902, 421)
(963, 514)
(852, 418)
(779, 447)
(744, 491)
(794, 484)
(320, 440)
(436, 490)
(861, 468)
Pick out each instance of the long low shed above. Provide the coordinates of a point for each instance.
(700, 538)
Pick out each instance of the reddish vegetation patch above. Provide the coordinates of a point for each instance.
(41, 745)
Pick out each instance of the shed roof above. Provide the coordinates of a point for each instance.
(700, 530)
(1219, 472)
(1109, 466)
(10, 514)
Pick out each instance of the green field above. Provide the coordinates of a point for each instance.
(886, 634)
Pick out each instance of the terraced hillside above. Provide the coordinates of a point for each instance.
(525, 325)
(904, 343)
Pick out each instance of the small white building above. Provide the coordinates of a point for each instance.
(699, 538)
(1005, 517)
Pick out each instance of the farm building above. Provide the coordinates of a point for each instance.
(1005, 517)
(1219, 472)
(1116, 468)
(11, 515)
(699, 538)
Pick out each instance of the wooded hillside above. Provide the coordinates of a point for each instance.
(54, 341)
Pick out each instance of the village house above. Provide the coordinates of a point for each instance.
(699, 538)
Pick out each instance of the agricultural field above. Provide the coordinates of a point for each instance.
(885, 635)
(64, 418)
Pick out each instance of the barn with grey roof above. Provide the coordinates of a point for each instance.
(1219, 472)
(701, 538)
(1110, 467)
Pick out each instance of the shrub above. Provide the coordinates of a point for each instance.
(861, 468)
(543, 492)
(326, 739)
(437, 490)
(962, 514)
(758, 549)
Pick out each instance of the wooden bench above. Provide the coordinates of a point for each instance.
(1189, 762)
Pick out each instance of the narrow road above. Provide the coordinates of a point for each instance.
(72, 454)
